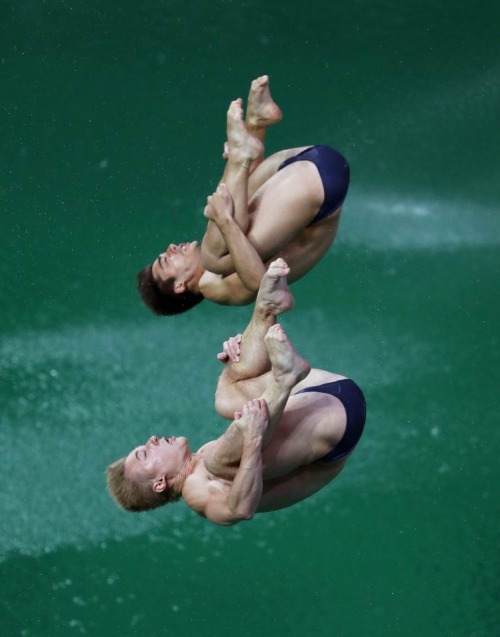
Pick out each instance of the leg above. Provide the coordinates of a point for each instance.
(262, 112)
(246, 378)
(284, 206)
(287, 369)
(269, 167)
(244, 150)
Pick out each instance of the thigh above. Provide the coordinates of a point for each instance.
(283, 207)
(269, 167)
(232, 392)
(312, 424)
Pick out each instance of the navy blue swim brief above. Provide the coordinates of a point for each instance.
(334, 172)
(353, 400)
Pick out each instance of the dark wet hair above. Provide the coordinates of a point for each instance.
(161, 298)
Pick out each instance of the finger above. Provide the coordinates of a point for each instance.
(235, 345)
(234, 353)
(228, 351)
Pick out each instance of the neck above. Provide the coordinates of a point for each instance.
(185, 471)
(193, 285)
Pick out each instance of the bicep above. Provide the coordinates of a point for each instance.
(228, 290)
(216, 509)
(223, 456)
(219, 513)
(209, 498)
(217, 263)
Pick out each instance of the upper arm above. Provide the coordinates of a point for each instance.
(228, 290)
(218, 263)
(209, 498)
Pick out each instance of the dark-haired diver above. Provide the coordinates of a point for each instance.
(287, 205)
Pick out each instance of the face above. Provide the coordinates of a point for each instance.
(157, 458)
(179, 262)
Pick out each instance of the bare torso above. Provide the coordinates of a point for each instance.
(281, 210)
(311, 426)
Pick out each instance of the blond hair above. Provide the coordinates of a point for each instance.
(134, 495)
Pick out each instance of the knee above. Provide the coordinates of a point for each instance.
(228, 398)
(224, 403)
(226, 407)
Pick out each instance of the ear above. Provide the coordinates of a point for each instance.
(160, 484)
(179, 287)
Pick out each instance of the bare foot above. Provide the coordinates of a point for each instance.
(242, 147)
(274, 296)
(286, 365)
(262, 110)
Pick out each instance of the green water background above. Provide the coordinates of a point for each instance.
(112, 123)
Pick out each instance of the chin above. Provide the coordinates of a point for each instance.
(183, 441)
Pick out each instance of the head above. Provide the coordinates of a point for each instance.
(151, 475)
(170, 284)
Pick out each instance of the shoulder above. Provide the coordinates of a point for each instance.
(227, 290)
(208, 497)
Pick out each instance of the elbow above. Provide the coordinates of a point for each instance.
(242, 515)
(252, 284)
(255, 285)
(248, 512)
(253, 276)
(207, 259)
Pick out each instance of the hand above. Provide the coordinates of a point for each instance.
(253, 419)
(231, 350)
(219, 206)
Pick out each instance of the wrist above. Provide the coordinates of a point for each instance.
(253, 439)
(224, 222)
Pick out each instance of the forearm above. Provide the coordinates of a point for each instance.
(243, 258)
(213, 248)
(214, 255)
(214, 245)
(246, 489)
(223, 459)
(235, 178)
